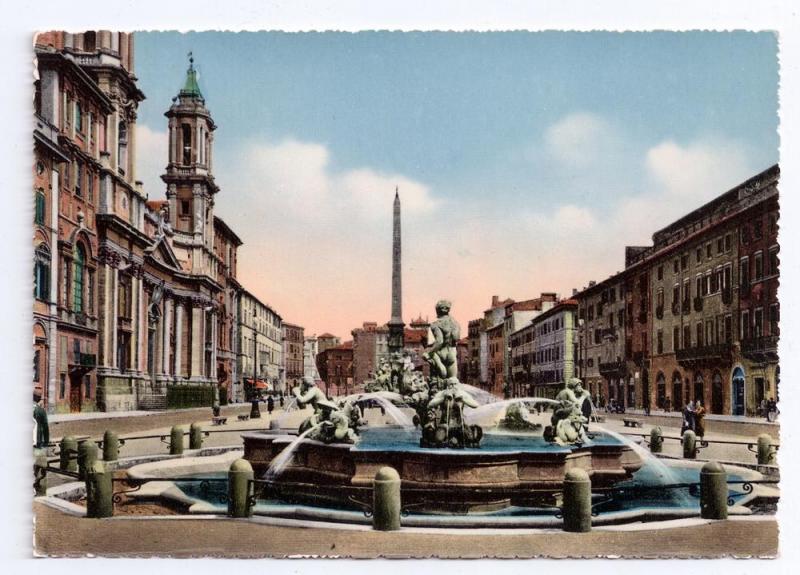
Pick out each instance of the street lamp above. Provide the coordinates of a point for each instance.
(255, 413)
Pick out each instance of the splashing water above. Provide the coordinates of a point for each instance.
(381, 398)
(492, 413)
(279, 463)
(480, 395)
(656, 472)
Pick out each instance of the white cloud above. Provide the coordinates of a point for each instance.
(151, 159)
(580, 140)
(700, 170)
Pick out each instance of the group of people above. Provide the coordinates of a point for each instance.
(694, 415)
(769, 409)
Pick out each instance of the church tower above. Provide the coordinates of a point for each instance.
(190, 182)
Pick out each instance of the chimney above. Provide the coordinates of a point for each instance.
(495, 300)
(574, 291)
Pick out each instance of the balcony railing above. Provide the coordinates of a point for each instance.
(706, 354)
(612, 368)
(762, 349)
(698, 303)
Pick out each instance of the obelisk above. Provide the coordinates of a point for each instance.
(396, 325)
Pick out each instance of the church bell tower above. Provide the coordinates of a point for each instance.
(189, 178)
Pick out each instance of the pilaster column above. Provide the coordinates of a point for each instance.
(167, 321)
(114, 315)
(179, 340)
(135, 320)
(214, 339)
(142, 325)
(198, 340)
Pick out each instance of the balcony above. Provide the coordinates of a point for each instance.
(761, 349)
(706, 355)
(676, 308)
(87, 359)
(698, 303)
(612, 369)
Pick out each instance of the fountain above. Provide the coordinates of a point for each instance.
(455, 455)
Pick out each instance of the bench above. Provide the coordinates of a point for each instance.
(219, 420)
(243, 417)
(630, 422)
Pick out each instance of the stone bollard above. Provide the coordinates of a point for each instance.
(87, 455)
(195, 436)
(577, 505)
(68, 451)
(99, 491)
(386, 500)
(110, 446)
(40, 472)
(255, 412)
(176, 440)
(689, 442)
(239, 476)
(713, 491)
(656, 440)
(765, 454)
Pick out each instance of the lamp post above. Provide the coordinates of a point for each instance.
(255, 412)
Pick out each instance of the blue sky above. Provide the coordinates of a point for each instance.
(529, 159)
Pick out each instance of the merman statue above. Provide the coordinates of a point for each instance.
(443, 334)
(567, 422)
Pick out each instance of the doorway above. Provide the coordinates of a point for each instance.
(75, 395)
(716, 393)
(737, 389)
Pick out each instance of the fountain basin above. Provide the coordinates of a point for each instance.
(508, 469)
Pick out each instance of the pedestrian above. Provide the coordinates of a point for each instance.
(270, 405)
(772, 410)
(281, 400)
(688, 418)
(42, 426)
(699, 418)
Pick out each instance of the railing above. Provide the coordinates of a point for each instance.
(87, 359)
(612, 368)
(761, 348)
(703, 354)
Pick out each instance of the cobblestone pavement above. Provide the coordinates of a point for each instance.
(59, 534)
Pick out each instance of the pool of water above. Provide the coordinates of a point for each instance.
(647, 490)
(389, 438)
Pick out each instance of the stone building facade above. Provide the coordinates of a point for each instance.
(602, 320)
(259, 349)
(554, 348)
(335, 366)
(293, 342)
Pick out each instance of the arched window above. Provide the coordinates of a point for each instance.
(122, 147)
(677, 400)
(699, 387)
(79, 268)
(186, 139)
(41, 273)
(661, 391)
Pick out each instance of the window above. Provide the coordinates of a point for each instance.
(698, 286)
(708, 251)
(90, 186)
(699, 334)
(773, 261)
(675, 266)
(720, 245)
(78, 117)
(728, 329)
(745, 325)
(78, 178)
(676, 338)
(122, 147)
(41, 273)
(698, 255)
(40, 210)
(660, 272)
(773, 319)
(186, 137)
(36, 362)
(687, 337)
(758, 322)
(676, 295)
(728, 242)
(87, 386)
(709, 332)
(744, 271)
(62, 386)
(758, 261)
(78, 263)
(184, 207)
(684, 262)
